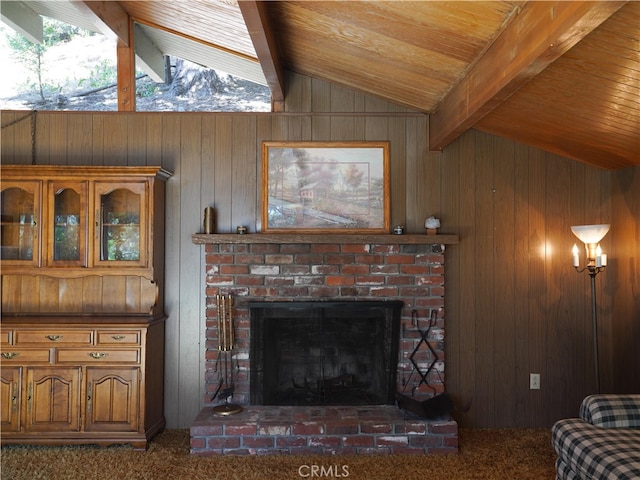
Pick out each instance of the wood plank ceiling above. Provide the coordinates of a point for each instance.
(560, 76)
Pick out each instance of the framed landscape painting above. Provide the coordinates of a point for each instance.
(325, 187)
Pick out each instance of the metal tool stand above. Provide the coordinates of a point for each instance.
(226, 341)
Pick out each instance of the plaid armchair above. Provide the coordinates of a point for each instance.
(604, 443)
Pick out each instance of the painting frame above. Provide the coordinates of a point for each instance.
(326, 187)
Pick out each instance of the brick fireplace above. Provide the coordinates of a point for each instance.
(283, 268)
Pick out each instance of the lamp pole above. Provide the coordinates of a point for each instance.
(596, 263)
(594, 316)
(592, 270)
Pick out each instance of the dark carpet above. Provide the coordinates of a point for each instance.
(509, 454)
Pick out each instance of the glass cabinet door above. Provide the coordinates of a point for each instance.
(67, 222)
(121, 224)
(20, 223)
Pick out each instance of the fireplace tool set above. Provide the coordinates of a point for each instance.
(226, 343)
(433, 407)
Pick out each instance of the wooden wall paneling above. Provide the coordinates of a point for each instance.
(485, 277)
(504, 215)
(321, 100)
(321, 128)
(624, 278)
(8, 143)
(98, 140)
(17, 147)
(115, 139)
(58, 139)
(343, 128)
(192, 308)
(449, 210)
(174, 390)
(136, 139)
(522, 396)
(22, 138)
(222, 166)
(153, 136)
(376, 105)
(279, 129)
(560, 336)
(296, 129)
(244, 209)
(298, 93)
(207, 166)
(406, 163)
(79, 136)
(306, 126)
(359, 102)
(43, 139)
(459, 211)
(535, 301)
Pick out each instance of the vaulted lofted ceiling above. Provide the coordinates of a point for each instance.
(561, 76)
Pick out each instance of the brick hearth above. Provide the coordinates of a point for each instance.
(380, 429)
(412, 273)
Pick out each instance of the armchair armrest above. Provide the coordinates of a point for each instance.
(611, 411)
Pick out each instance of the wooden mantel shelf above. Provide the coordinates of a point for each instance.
(378, 239)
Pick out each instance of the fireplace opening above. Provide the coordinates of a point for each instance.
(324, 353)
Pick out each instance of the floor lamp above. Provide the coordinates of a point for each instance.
(596, 263)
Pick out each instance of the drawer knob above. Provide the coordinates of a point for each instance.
(117, 337)
(9, 355)
(54, 338)
(97, 355)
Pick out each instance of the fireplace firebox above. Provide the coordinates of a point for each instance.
(324, 353)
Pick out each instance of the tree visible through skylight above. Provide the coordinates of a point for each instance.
(75, 69)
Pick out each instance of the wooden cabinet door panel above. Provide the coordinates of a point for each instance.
(66, 224)
(53, 399)
(10, 387)
(20, 210)
(122, 229)
(112, 399)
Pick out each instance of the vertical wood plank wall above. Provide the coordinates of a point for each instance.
(514, 303)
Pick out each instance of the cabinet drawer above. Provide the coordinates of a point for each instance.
(53, 337)
(24, 355)
(96, 355)
(5, 337)
(124, 337)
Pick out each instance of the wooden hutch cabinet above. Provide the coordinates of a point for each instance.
(82, 333)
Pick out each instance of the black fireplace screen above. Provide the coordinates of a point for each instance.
(324, 353)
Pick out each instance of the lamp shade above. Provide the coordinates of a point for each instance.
(590, 233)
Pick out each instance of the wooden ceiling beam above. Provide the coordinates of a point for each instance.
(108, 17)
(127, 74)
(114, 22)
(534, 37)
(264, 42)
